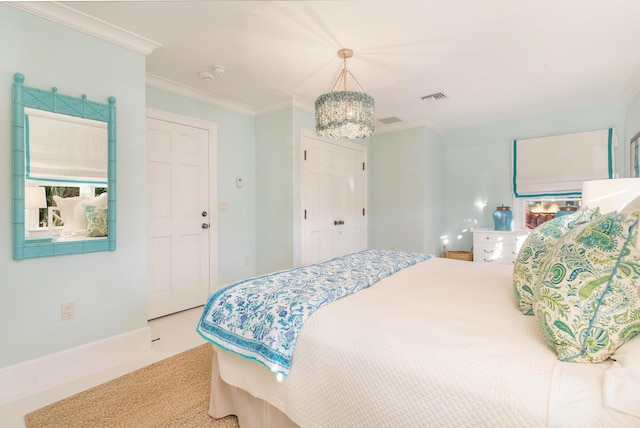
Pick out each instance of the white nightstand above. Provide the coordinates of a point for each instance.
(497, 246)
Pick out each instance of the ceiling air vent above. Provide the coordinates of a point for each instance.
(389, 120)
(434, 97)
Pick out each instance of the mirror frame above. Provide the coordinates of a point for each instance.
(52, 101)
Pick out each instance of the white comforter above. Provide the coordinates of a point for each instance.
(439, 344)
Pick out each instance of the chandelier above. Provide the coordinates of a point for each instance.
(342, 113)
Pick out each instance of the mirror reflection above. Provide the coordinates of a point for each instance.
(65, 176)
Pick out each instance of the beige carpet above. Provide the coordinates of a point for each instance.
(170, 393)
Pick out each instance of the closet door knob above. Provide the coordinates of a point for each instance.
(205, 225)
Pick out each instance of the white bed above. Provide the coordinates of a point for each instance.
(438, 344)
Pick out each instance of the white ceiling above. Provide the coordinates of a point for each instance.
(494, 59)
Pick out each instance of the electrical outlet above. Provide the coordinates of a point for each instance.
(68, 311)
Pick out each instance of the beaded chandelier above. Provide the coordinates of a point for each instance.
(343, 113)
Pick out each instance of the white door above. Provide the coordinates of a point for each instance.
(333, 200)
(319, 201)
(179, 224)
(351, 201)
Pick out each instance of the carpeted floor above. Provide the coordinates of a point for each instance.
(170, 393)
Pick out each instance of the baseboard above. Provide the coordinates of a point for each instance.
(49, 370)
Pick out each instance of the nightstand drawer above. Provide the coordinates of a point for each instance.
(494, 238)
(498, 252)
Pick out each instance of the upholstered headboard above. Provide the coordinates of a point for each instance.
(610, 195)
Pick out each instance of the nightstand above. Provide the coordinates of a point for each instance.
(497, 246)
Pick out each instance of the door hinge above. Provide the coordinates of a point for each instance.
(305, 214)
(363, 211)
(305, 155)
(363, 166)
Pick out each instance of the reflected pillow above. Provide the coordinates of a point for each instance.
(72, 211)
(72, 221)
(96, 221)
(534, 250)
(587, 300)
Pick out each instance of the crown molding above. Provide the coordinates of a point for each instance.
(196, 94)
(69, 17)
(292, 102)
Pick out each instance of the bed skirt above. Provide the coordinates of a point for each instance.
(252, 412)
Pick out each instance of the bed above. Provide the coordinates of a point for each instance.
(437, 343)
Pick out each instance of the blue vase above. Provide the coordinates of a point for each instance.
(568, 210)
(502, 218)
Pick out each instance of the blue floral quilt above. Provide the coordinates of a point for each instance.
(260, 318)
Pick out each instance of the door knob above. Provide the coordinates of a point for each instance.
(335, 222)
(205, 225)
(204, 213)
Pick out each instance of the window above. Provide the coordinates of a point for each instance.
(548, 173)
(529, 213)
(557, 166)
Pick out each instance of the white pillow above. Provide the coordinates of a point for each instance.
(621, 382)
(72, 211)
(67, 212)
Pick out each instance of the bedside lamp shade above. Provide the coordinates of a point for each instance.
(35, 197)
(610, 195)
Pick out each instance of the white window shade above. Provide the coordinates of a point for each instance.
(65, 149)
(558, 165)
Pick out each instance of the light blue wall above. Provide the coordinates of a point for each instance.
(278, 188)
(274, 175)
(478, 164)
(236, 158)
(405, 190)
(109, 288)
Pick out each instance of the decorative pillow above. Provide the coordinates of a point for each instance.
(68, 213)
(96, 221)
(634, 205)
(72, 211)
(534, 249)
(587, 300)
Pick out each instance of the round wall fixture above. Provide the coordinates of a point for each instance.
(205, 75)
(218, 70)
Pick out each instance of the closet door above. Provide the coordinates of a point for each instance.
(351, 212)
(333, 200)
(319, 199)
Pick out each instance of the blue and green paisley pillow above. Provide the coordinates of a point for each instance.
(588, 298)
(96, 221)
(534, 249)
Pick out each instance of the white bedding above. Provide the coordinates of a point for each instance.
(402, 354)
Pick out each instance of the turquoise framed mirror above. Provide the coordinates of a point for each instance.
(64, 173)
